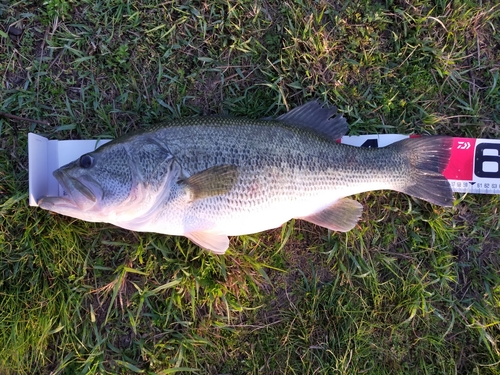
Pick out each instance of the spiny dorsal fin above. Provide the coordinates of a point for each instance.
(213, 181)
(321, 119)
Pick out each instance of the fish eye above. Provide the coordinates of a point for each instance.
(86, 161)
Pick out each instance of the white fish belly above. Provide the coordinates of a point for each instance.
(260, 217)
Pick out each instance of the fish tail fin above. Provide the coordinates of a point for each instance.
(428, 157)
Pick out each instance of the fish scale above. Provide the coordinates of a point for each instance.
(210, 177)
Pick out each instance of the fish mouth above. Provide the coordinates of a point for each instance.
(80, 193)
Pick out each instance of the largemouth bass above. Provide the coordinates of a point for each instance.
(208, 178)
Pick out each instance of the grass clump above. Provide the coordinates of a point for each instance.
(412, 289)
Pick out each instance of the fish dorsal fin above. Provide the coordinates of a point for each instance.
(341, 216)
(213, 181)
(216, 243)
(321, 119)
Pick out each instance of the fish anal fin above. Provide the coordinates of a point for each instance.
(319, 118)
(341, 216)
(213, 181)
(216, 243)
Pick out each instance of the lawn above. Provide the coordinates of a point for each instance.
(412, 289)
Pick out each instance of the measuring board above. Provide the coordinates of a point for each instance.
(474, 165)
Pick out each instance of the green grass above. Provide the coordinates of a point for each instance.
(413, 289)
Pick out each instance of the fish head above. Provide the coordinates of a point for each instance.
(111, 184)
(82, 188)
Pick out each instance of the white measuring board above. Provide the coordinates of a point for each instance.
(474, 165)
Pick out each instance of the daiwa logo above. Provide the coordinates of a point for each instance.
(462, 145)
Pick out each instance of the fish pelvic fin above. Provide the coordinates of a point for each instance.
(428, 157)
(341, 216)
(216, 243)
(213, 181)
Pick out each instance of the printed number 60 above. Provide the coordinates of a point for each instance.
(487, 165)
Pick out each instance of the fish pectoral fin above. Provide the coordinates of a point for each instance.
(213, 181)
(216, 243)
(341, 216)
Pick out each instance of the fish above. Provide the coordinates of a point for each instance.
(207, 178)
